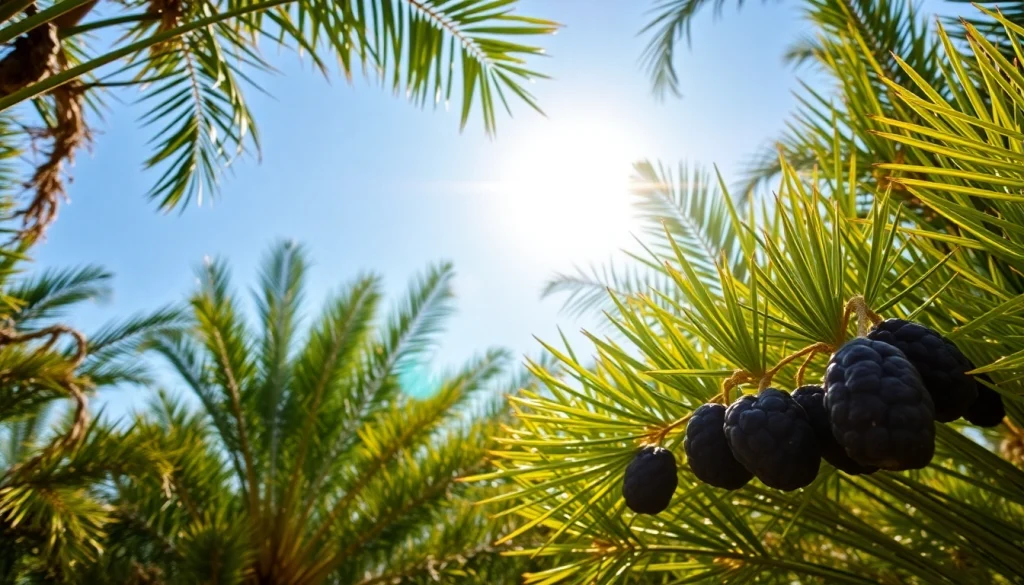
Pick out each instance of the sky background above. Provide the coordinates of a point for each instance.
(367, 181)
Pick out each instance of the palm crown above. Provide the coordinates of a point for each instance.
(308, 464)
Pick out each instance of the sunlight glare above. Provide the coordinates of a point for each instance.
(564, 195)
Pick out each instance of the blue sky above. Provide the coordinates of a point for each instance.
(367, 181)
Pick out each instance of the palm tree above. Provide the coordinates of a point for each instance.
(193, 63)
(306, 463)
(868, 51)
(867, 37)
(51, 519)
(903, 200)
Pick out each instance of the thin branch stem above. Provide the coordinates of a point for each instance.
(659, 435)
(857, 305)
(737, 378)
(802, 370)
(766, 380)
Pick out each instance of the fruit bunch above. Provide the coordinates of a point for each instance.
(876, 409)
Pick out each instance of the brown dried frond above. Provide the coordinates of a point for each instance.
(37, 55)
(170, 12)
(67, 133)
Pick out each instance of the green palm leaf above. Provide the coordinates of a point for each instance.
(193, 62)
(47, 295)
(671, 24)
(701, 221)
(306, 462)
(206, 122)
(838, 231)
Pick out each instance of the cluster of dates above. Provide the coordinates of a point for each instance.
(877, 408)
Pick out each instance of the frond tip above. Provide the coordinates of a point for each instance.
(421, 48)
(671, 24)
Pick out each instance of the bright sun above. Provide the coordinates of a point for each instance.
(564, 194)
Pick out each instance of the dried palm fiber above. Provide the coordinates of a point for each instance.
(33, 58)
(168, 14)
(67, 132)
(36, 55)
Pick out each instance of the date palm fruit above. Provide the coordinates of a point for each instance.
(650, 480)
(942, 367)
(708, 452)
(987, 410)
(878, 407)
(812, 400)
(771, 436)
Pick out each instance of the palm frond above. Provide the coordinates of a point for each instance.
(46, 502)
(115, 350)
(404, 499)
(223, 331)
(319, 406)
(31, 378)
(697, 215)
(278, 303)
(854, 226)
(125, 336)
(413, 326)
(671, 24)
(594, 289)
(422, 48)
(407, 427)
(185, 356)
(216, 550)
(10, 150)
(452, 552)
(199, 101)
(984, 23)
(322, 439)
(408, 335)
(700, 221)
(47, 295)
(225, 336)
(193, 63)
(24, 434)
(854, 47)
